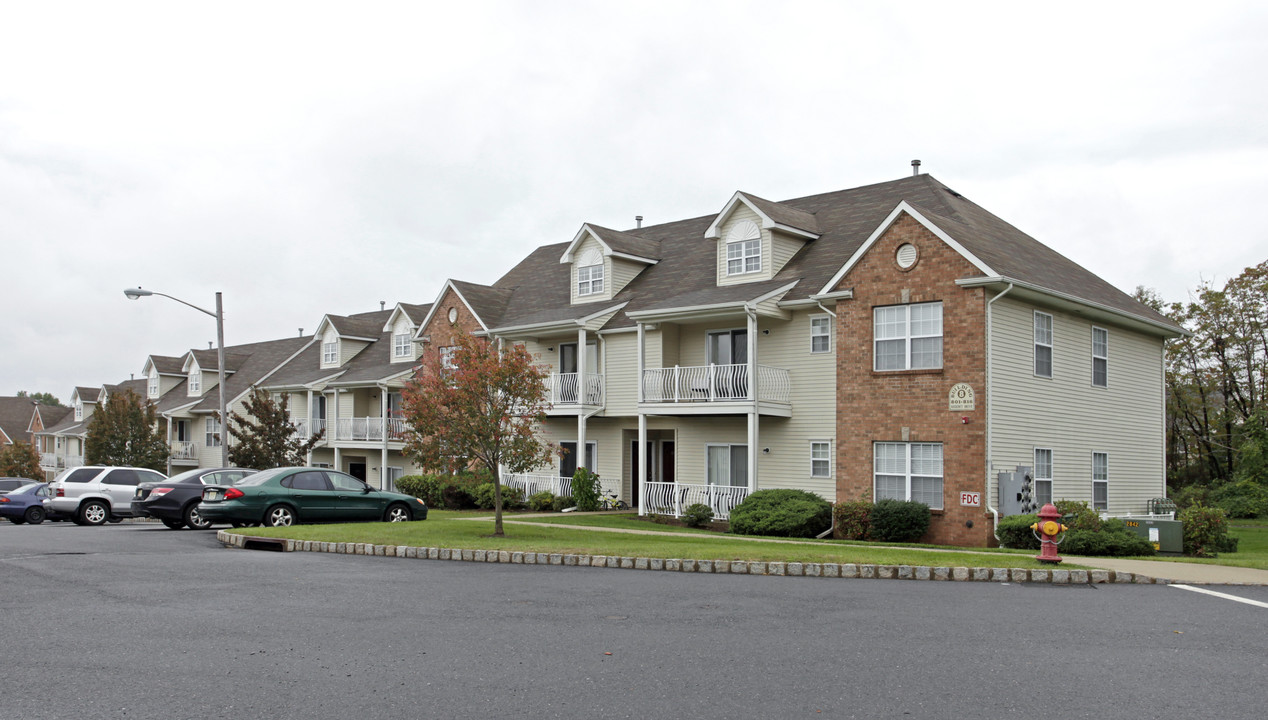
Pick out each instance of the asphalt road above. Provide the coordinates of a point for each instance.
(137, 621)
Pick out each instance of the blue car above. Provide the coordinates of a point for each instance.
(27, 504)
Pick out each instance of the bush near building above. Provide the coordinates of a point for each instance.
(782, 513)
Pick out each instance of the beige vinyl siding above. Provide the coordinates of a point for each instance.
(783, 247)
(662, 346)
(1070, 416)
(620, 370)
(347, 406)
(586, 246)
(348, 349)
(606, 434)
(740, 213)
(297, 405)
(694, 434)
(622, 272)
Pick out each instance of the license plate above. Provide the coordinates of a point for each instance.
(211, 495)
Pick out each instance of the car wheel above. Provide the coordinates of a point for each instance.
(34, 515)
(16, 520)
(279, 516)
(194, 519)
(398, 513)
(173, 524)
(94, 512)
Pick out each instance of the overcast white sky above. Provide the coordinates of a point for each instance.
(313, 157)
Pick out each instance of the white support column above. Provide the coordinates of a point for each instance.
(308, 458)
(752, 450)
(383, 483)
(753, 417)
(641, 457)
(333, 430)
(641, 360)
(169, 445)
(581, 406)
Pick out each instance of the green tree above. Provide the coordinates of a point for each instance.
(125, 432)
(42, 397)
(20, 460)
(266, 437)
(482, 406)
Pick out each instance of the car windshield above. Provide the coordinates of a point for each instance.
(261, 477)
(187, 476)
(23, 490)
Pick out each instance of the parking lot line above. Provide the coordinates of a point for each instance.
(1226, 596)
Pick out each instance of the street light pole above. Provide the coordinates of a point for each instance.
(135, 293)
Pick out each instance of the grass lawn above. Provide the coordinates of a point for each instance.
(1252, 546)
(449, 530)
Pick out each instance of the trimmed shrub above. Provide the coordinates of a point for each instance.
(424, 487)
(1112, 539)
(1014, 532)
(782, 513)
(563, 501)
(852, 518)
(1241, 499)
(585, 489)
(1205, 531)
(482, 496)
(1078, 515)
(543, 501)
(899, 520)
(697, 515)
(448, 492)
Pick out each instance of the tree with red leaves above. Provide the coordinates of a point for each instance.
(474, 403)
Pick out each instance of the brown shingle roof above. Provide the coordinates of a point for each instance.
(785, 214)
(15, 418)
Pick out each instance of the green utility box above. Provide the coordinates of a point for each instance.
(1167, 536)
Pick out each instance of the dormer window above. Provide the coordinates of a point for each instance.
(153, 387)
(195, 382)
(401, 345)
(79, 411)
(590, 279)
(744, 249)
(330, 353)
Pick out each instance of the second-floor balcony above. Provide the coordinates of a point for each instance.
(48, 460)
(369, 429)
(708, 385)
(568, 391)
(184, 452)
(305, 429)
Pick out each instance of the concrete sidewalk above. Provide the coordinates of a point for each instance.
(1175, 571)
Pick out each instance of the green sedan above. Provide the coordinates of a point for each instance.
(286, 496)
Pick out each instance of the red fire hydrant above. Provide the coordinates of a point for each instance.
(1047, 530)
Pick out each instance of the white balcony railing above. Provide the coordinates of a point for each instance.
(184, 450)
(566, 389)
(302, 428)
(48, 460)
(369, 429)
(669, 498)
(533, 483)
(72, 460)
(714, 383)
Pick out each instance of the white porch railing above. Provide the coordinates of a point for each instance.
(369, 428)
(714, 383)
(665, 498)
(184, 450)
(566, 389)
(302, 429)
(73, 460)
(533, 483)
(48, 460)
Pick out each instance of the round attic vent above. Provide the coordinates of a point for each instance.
(453, 315)
(906, 255)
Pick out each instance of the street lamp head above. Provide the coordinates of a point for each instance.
(134, 293)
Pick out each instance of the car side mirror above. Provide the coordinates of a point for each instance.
(365, 489)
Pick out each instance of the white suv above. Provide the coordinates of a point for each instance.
(94, 494)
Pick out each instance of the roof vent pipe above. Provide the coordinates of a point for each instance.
(301, 332)
(638, 221)
(209, 345)
(382, 305)
(915, 168)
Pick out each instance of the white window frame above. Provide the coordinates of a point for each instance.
(446, 357)
(821, 459)
(330, 353)
(1100, 476)
(211, 432)
(747, 254)
(1043, 343)
(731, 449)
(1042, 474)
(152, 388)
(589, 280)
(821, 329)
(908, 338)
(195, 382)
(907, 473)
(1100, 356)
(401, 346)
(79, 411)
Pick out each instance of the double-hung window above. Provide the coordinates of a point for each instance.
(212, 433)
(1100, 357)
(590, 279)
(1042, 493)
(401, 346)
(907, 337)
(330, 353)
(446, 358)
(820, 459)
(744, 256)
(820, 334)
(908, 471)
(195, 382)
(1100, 481)
(153, 389)
(1043, 344)
(727, 465)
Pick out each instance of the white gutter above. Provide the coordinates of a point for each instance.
(999, 279)
(990, 399)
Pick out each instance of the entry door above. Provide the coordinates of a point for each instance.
(357, 470)
(568, 463)
(182, 431)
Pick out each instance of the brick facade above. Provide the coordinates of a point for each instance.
(912, 405)
(444, 333)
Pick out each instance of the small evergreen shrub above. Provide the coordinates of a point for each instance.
(899, 520)
(1078, 515)
(482, 496)
(585, 489)
(782, 513)
(1111, 539)
(697, 515)
(1014, 531)
(543, 501)
(563, 501)
(852, 518)
(1205, 531)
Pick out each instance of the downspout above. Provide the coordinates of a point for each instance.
(990, 399)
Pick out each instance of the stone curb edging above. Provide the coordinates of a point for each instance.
(729, 567)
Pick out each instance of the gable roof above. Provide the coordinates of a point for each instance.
(259, 361)
(164, 364)
(15, 418)
(614, 243)
(776, 216)
(361, 326)
(49, 415)
(413, 313)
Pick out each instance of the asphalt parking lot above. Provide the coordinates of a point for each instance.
(137, 621)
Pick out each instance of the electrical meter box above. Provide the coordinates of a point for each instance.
(1167, 536)
(1016, 492)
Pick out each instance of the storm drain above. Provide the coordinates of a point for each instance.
(260, 543)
